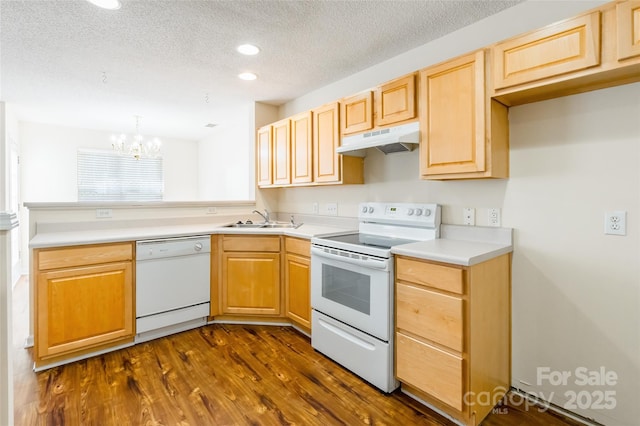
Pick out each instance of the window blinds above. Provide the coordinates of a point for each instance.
(107, 176)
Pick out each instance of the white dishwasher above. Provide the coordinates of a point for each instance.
(172, 285)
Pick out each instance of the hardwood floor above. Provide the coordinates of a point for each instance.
(216, 375)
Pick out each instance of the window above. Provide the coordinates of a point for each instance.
(108, 176)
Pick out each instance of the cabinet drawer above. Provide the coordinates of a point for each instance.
(298, 246)
(430, 369)
(83, 256)
(250, 243)
(429, 274)
(434, 316)
(558, 49)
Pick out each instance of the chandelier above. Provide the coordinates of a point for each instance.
(137, 146)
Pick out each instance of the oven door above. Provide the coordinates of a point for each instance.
(355, 291)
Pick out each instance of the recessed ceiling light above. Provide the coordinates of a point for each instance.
(247, 76)
(107, 4)
(210, 125)
(248, 49)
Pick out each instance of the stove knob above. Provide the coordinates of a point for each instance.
(197, 246)
(370, 209)
(410, 212)
(418, 212)
(427, 212)
(364, 209)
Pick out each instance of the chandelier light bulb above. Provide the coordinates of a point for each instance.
(137, 148)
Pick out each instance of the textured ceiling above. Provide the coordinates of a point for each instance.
(174, 63)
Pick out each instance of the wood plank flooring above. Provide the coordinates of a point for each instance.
(217, 375)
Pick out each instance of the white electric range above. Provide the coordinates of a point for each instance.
(352, 287)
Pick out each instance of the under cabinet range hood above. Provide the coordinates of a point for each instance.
(391, 139)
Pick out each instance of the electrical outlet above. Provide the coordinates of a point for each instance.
(615, 222)
(332, 209)
(212, 210)
(104, 213)
(469, 216)
(494, 217)
(315, 208)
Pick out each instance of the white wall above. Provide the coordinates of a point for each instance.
(576, 292)
(49, 170)
(225, 169)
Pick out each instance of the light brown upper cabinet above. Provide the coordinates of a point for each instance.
(265, 157)
(597, 49)
(329, 166)
(357, 113)
(301, 148)
(464, 133)
(628, 24)
(390, 103)
(562, 48)
(396, 101)
(281, 152)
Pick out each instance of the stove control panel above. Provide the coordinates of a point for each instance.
(424, 215)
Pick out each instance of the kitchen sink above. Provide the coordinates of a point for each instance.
(265, 225)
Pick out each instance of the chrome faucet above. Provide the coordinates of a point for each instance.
(265, 216)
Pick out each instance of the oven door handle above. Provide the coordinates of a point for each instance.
(370, 262)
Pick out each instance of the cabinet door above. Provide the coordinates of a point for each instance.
(396, 101)
(357, 113)
(301, 154)
(251, 283)
(628, 23)
(561, 48)
(298, 279)
(265, 156)
(326, 138)
(281, 152)
(453, 137)
(79, 308)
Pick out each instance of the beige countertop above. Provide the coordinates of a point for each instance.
(97, 236)
(457, 245)
(461, 245)
(457, 252)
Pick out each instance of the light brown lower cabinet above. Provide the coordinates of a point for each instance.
(298, 281)
(250, 275)
(83, 299)
(453, 334)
